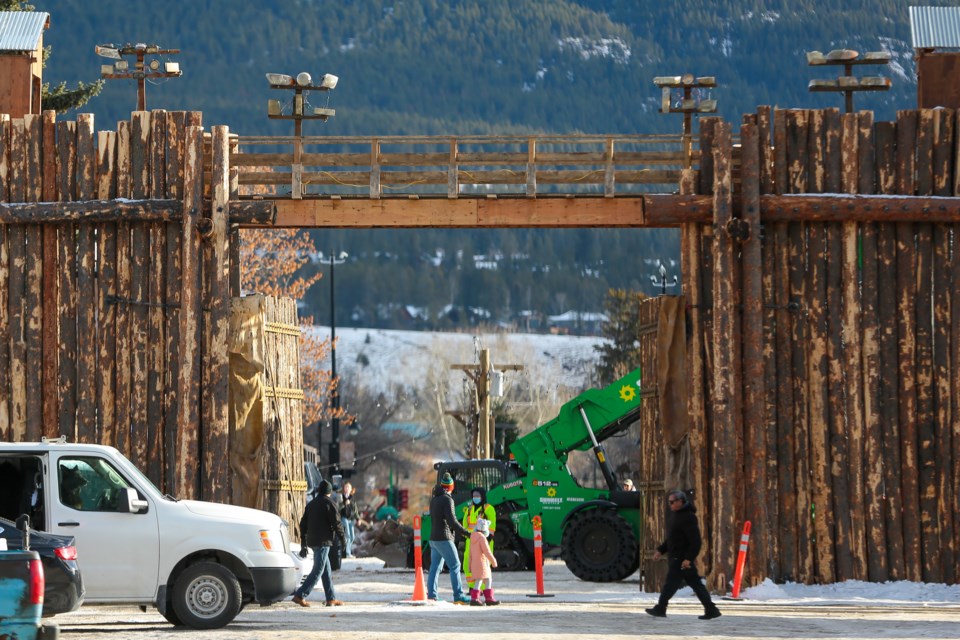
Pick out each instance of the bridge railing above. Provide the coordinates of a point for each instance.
(462, 166)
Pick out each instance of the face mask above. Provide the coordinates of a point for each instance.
(476, 500)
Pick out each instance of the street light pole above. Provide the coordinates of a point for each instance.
(334, 450)
(335, 401)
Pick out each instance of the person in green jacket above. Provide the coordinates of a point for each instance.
(478, 508)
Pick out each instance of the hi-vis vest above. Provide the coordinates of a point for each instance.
(472, 513)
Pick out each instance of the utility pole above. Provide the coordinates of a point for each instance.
(479, 424)
(686, 94)
(848, 83)
(142, 67)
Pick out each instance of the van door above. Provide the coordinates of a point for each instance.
(118, 551)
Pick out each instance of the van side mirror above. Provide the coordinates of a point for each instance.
(134, 503)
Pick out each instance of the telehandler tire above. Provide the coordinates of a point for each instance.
(598, 546)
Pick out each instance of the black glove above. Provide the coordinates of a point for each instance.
(303, 551)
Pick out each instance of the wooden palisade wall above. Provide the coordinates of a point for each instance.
(825, 352)
(113, 327)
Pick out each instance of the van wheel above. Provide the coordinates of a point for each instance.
(206, 596)
(171, 616)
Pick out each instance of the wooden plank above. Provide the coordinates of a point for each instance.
(874, 499)
(87, 370)
(67, 264)
(6, 430)
(175, 145)
(156, 290)
(707, 134)
(943, 301)
(249, 212)
(889, 399)
(907, 334)
(376, 189)
(955, 343)
(34, 280)
(188, 420)
(531, 174)
(140, 430)
(755, 435)
(926, 456)
(51, 279)
(106, 293)
(17, 283)
(122, 309)
(216, 320)
(727, 423)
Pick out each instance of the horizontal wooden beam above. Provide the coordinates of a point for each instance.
(649, 210)
(244, 212)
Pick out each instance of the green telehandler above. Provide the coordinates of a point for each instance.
(597, 529)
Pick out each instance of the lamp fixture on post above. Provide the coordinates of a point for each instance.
(686, 94)
(847, 83)
(334, 463)
(148, 64)
(301, 86)
(662, 281)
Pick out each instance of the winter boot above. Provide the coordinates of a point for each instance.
(488, 597)
(710, 613)
(657, 612)
(475, 598)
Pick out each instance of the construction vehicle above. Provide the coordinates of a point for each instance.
(597, 530)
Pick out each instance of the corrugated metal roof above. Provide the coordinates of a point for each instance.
(21, 30)
(935, 27)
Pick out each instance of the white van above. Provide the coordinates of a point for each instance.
(199, 563)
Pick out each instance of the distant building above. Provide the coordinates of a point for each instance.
(579, 323)
(21, 61)
(935, 32)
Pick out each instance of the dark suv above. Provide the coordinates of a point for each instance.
(64, 585)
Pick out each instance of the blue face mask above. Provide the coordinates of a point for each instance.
(476, 500)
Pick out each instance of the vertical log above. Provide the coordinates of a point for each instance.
(926, 456)
(17, 279)
(907, 344)
(873, 437)
(886, 134)
(816, 548)
(707, 135)
(216, 329)
(188, 421)
(67, 233)
(6, 430)
(943, 300)
(139, 295)
(51, 280)
(780, 166)
(954, 429)
(34, 280)
(851, 340)
(726, 399)
(755, 433)
(175, 141)
(764, 563)
(107, 293)
(797, 136)
(156, 341)
(122, 306)
(87, 370)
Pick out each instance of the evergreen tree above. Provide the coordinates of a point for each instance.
(59, 98)
(621, 354)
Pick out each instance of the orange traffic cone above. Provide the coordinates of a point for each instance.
(419, 591)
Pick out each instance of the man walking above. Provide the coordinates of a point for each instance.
(443, 547)
(319, 526)
(682, 546)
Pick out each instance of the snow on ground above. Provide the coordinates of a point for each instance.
(380, 358)
(378, 605)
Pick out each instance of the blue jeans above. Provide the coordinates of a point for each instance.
(444, 551)
(321, 569)
(349, 534)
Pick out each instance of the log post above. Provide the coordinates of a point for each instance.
(51, 281)
(87, 371)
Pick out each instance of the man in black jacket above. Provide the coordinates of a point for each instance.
(319, 526)
(443, 547)
(682, 546)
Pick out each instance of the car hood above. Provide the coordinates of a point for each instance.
(230, 512)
